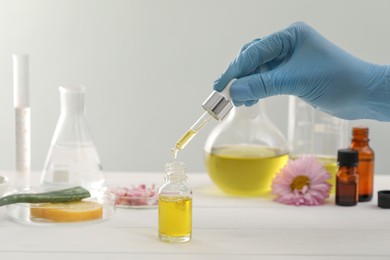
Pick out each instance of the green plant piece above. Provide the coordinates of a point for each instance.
(71, 194)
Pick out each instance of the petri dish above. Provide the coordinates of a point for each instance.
(25, 213)
(136, 196)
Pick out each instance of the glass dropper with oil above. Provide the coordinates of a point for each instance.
(217, 106)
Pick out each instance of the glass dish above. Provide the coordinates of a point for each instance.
(22, 212)
(141, 196)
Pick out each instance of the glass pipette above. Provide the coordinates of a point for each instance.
(217, 106)
(186, 138)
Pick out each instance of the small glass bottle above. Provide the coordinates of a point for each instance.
(347, 179)
(360, 143)
(175, 205)
(72, 158)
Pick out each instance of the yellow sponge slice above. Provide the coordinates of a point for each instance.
(68, 211)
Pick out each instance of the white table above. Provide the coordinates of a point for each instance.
(223, 228)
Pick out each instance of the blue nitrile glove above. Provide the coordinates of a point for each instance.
(299, 61)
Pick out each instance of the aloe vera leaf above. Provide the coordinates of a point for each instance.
(65, 195)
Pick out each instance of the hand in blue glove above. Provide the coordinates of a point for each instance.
(299, 61)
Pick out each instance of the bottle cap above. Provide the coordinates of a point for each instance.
(384, 199)
(218, 104)
(347, 157)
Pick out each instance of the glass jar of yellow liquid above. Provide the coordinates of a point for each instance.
(245, 151)
(175, 205)
(312, 132)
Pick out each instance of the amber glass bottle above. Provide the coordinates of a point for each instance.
(347, 179)
(360, 143)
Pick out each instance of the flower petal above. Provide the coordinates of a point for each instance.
(313, 194)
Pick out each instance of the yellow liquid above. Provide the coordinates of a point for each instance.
(174, 218)
(244, 170)
(330, 165)
(185, 139)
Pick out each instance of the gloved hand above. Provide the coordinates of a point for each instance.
(299, 61)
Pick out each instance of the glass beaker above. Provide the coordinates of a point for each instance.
(72, 158)
(245, 151)
(312, 132)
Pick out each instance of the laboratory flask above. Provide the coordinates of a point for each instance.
(245, 151)
(72, 158)
(313, 132)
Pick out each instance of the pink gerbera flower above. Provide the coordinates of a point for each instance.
(302, 181)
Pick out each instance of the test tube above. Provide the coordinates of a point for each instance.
(22, 121)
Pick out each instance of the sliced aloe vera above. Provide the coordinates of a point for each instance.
(65, 195)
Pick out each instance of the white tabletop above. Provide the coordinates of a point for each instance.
(223, 228)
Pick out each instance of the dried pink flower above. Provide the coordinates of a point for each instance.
(302, 181)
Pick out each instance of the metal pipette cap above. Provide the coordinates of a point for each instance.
(218, 104)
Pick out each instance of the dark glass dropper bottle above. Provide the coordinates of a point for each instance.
(347, 179)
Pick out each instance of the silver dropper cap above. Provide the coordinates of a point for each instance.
(218, 104)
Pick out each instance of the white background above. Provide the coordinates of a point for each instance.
(148, 65)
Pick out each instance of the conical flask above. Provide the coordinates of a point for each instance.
(245, 151)
(72, 158)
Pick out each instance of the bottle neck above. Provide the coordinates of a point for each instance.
(360, 134)
(175, 177)
(348, 169)
(176, 171)
(72, 101)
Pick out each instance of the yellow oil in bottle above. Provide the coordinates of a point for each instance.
(174, 218)
(244, 170)
(330, 164)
